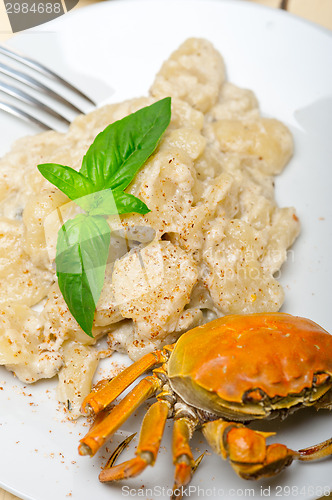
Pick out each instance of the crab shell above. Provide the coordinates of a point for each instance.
(255, 366)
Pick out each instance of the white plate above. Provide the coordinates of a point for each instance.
(285, 61)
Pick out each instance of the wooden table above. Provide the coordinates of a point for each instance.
(318, 11)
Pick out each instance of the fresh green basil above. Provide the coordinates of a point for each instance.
(110, 202)
(123, 147)
(81, 257)
(108, 167)
(68, 180)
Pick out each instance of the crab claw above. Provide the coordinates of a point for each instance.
(276, 458)
(251, 458)
(246, 449)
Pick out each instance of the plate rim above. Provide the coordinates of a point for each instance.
(104, 5)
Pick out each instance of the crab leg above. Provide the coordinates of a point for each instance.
(147, 450)
(182, 455)
(317, 451)
(118, 450)
(98, 400)
(99, 433)
(246, 449)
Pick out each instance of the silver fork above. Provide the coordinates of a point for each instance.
(25, 78)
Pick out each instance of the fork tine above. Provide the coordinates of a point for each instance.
(32, 63)
(24, 97)
(13, 110)
(31, 82)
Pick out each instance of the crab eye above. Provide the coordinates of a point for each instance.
(320, 379)
(254, 396)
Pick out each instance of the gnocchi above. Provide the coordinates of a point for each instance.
(211, 244)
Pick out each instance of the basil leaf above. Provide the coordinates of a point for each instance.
(82, 253)
(70, 182)
(75, 289)
(118, 152)
(108, 167)
(127, 203)
(108, 202)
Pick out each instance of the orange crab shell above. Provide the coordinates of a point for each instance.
(276, 353)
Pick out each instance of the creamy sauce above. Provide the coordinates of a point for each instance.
(210, 246)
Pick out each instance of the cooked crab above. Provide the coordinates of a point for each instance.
(218, 377)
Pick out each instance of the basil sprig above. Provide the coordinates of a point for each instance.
(108, 167)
